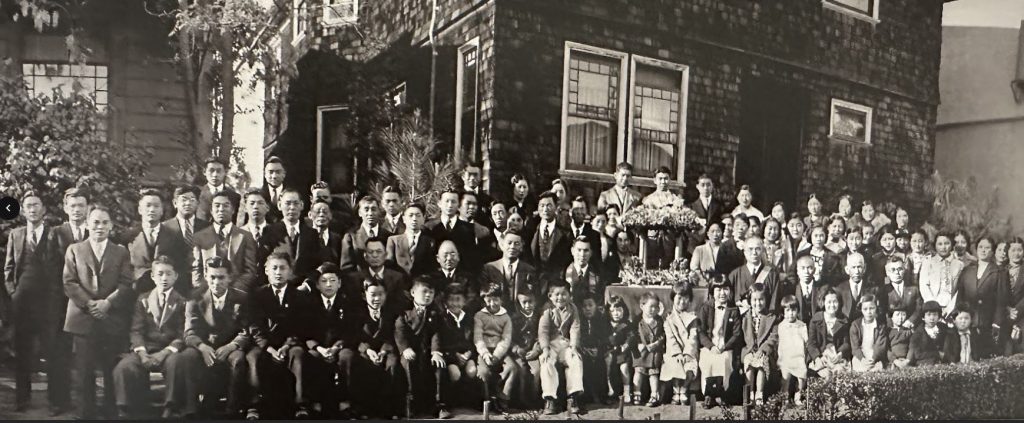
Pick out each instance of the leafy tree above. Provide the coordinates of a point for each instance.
(56, 142)
(411, 163)
(962, 204)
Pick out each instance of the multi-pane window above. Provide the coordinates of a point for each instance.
(299, 19)
(468, 104)
(604, 122)
(864, 9)
(89, 80)
(592, 115)
(655, 136)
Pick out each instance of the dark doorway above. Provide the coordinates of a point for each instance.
(773, 117)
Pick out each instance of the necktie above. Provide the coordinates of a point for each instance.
(510, 276)
(273, 195)
(448, 226)
(33, 238)
(420, 311)
(547, 232)
(188, 233)
(257, 232)
(280, 299)
(375, 315)
(412, 245)
(219, 304)
(965, 347)
(373, 233)
(161, 303)
(327, 304)
(77, 234)
(220, 232)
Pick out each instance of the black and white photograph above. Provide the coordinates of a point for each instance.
(511, 210)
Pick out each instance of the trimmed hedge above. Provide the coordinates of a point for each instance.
(989, 389)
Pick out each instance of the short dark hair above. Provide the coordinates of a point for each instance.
(464, 194)
(319, 185)
(789, 302)
(186, 189)
(279, 256)
(99, 207)
(75, 192)
(624, 166)
(223, 193)
(274, 159)
(214, 160)
(417, 206)
(162, 259)
(368, 199)
(150, 192)
(378, 238)
(547, 195)
(516, 178)
(30, 194)
(371, 282)
(252, 191)
(455, 288)
(616, 301)
(421, 281)
(663, 169)
(491, 291)
(557, 284)
(216, 262)
(328, 267)
(287, 191)
(391, 188)
(683, 288)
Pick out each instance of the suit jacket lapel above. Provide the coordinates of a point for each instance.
(207, 304)
(984, 277)
(235, 243)
(20, 239)
(154, 306)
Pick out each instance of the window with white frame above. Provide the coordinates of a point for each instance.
(594, 107)
(863, 9)
(300, 14)
(467, 100)
(850, 122)
(89, 80)
(656, 130)
(605, 121)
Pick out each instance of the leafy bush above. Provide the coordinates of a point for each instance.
(985, 390)
(55, 142)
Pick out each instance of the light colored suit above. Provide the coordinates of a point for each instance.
(625, 202)
(241, 257)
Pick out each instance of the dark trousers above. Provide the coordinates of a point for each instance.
(595, 377)
(91, 352)
(269, 377)
(131, 380)
(499, 379)
(33, 323)
(58, 372)
(423, 381)
(229, 377)
(370, 385)
(320, 375)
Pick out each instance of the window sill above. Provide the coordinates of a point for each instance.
(873, 20)
(608, 178)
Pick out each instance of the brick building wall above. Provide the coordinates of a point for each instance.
(890, 65)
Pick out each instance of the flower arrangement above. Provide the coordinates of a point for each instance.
(671, 217)
(633, 273)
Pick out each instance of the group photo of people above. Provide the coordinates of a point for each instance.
(260, 304)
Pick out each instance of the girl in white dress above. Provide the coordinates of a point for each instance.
(792, 348)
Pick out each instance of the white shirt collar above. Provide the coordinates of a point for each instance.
(581, 270)
(36, 230)
(220, 299)
(325, 299)
(411, 236)
(191, 222)
(225, 228)
(375, 229)
(215, 189)
(751, 267)
(379, 274)
(505, 262)
(256, 228)
(871, 325)
(458, 317)
(448, 273)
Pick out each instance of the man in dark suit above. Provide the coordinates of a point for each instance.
(709, 210)
(418, 342)
(29, 273)
(751, 272)
(807, 293)
(354, 242)
(412, 250)
(448, 226)
(152, 239)
(984, 289)
(224, 239)
(280, 313)
(330, 333)
(343, 216)
(583, 277)
(451, 272)
(369, 370)
(579, 227)
(215, 329)
(294, 238)
(181, 229)
(395, 282)
(483, 236)
(256, 209)
(274, 175)
(471, 183)
(510, 273)
(391, 202)
(97, 280)
(899, 294)
(76, 206)
(853, 289)
(216, 173)
(966, 343)
(549, 243)
(328, 241)
(157, 334)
